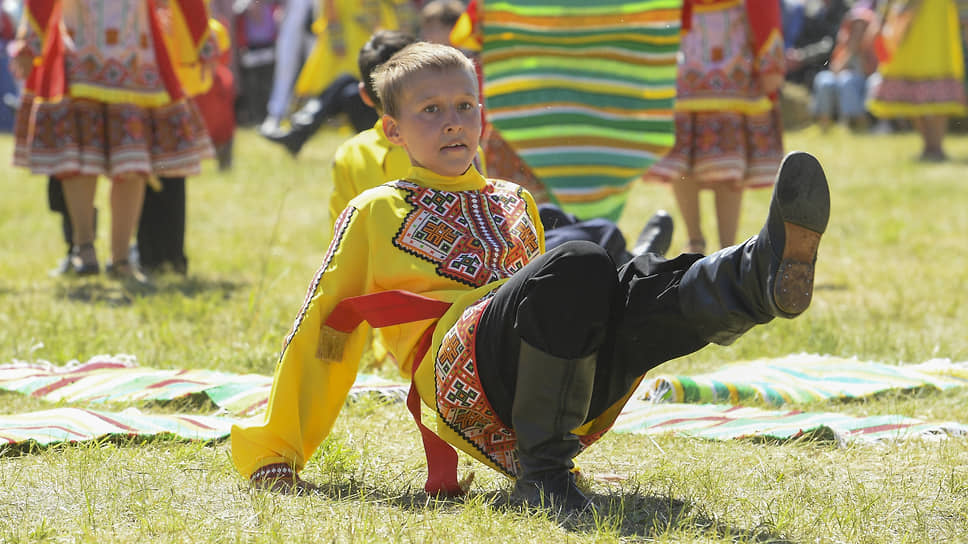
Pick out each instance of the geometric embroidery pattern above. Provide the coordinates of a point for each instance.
(473, 237)
(461, 402)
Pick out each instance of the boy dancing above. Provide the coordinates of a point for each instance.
(526, 357)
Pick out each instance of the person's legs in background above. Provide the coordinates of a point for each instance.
(161, 228)
(289, 57)
(127, 196)
(824, 101)
(729, 198)
(341, 96)
(932, 129)
(851, 88)
(79, 194)
(686, 191)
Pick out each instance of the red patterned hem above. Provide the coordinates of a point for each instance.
(95, 138)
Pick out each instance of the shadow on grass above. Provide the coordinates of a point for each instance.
(627, 513)
(123, 293)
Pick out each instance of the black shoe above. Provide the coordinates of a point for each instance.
(656, 235)
(83, 261)
(556, 492)
(292, 140)
(770, 275)
(799, 212)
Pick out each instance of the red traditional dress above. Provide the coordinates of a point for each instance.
(103, 97)
(727, 128)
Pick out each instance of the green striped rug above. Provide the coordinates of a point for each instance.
(583, 91)
(803, 378)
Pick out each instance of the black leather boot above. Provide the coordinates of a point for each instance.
(771, 274)
(551, 399)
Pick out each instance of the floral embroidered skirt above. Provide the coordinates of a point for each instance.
(716, 147)
(70, 137)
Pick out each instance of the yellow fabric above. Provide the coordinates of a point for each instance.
(318, 365)
(184, 55)
(930, 50)
(338, 42)
(364, 161)
(935, 26)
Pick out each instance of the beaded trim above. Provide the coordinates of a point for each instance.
(275, 471)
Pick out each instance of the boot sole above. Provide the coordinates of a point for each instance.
(803, 199)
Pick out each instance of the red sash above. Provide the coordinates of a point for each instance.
(393, 308)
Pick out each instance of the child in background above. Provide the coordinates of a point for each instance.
(922, 68)
(80, 120)
(728, 134)
(526, 357)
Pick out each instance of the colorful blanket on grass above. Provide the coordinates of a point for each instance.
(583, 91)
(727, 422)
(803, 378)
(107, 379)
(47, 427)
(118, 379)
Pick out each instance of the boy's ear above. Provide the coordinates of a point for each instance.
(365, 96)
(392, 130)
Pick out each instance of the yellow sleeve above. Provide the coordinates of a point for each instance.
(318, 364)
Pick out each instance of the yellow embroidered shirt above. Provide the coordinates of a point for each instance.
(450, 239)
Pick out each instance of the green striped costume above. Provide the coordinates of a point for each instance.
(583, 91)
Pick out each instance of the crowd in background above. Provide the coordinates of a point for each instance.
(288, 66)
(272, 39)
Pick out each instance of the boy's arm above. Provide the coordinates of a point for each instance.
(317, 368)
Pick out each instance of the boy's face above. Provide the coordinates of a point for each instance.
(438, 121)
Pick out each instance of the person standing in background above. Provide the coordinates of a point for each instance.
(102, 98)
(728, 133)
(922, 67)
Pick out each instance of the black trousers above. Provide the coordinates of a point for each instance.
(561, 226)
(56, 203)
(572, 302)
(161, 229)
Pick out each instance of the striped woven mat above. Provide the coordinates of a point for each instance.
(46, 427)
(726, 422)
(114, 379)
(583, 91)
(803, 378)
(118, 378)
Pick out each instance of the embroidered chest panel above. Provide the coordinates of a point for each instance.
(473, 237)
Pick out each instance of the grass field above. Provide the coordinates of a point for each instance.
(891, 283)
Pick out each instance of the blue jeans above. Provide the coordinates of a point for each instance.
(838, 95)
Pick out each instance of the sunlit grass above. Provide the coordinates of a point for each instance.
(891, 277)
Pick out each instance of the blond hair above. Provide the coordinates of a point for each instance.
(391, 78)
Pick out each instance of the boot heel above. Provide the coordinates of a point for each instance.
(793, 289)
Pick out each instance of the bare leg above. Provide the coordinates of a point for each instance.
(79, 195)
(728, 201)
(127, 195)
(686, 192)
(933, 128)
